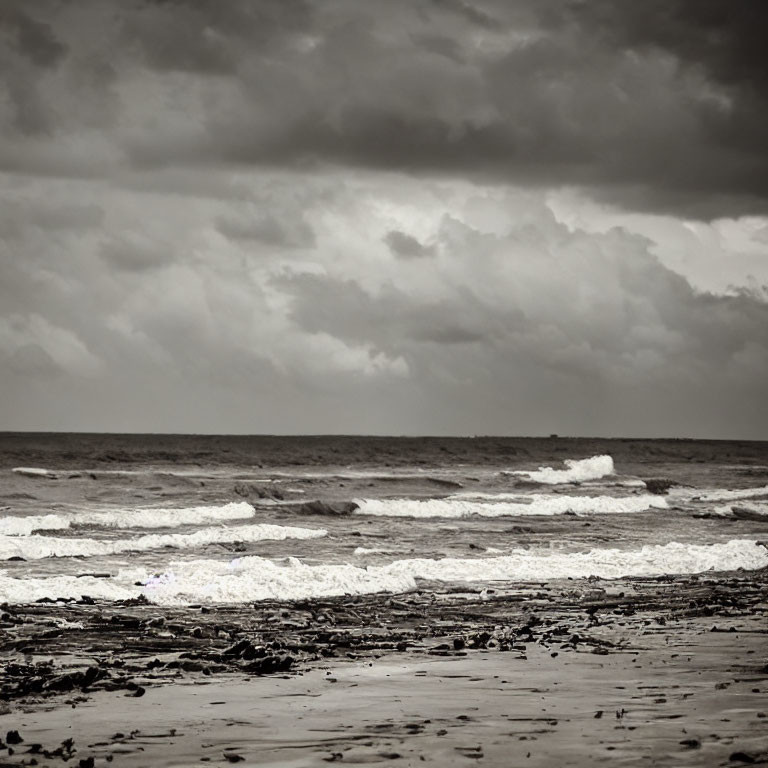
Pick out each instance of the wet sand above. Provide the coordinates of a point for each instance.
(641, 671)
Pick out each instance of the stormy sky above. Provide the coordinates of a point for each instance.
(402, 217)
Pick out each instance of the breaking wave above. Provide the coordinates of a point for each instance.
(579, 470)
(144, 517)
(255, 578)
(25, 526)
(149, 517)
(535, 504)
(37, 547)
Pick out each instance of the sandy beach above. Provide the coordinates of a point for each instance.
(666, 672)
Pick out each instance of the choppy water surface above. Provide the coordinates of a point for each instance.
(236, 519)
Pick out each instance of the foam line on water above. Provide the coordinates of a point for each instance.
(649, 560)
(27, 590)
(255, 578)
(728, 495)
(140, 517)
(37, 547)
(535, 504)
(162, 517)
(34, 472)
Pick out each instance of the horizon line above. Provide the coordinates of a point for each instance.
(550, 436)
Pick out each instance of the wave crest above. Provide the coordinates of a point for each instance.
(535, 504)
(578, 471)
(39, 547)
(143, 517)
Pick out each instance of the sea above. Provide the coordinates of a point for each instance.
(195, 519)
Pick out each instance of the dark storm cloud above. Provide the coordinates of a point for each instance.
(208, 36)
(725, 37)
(27, 46)
(33, 38)
(406, 246)
(471, 12)
(658, 105)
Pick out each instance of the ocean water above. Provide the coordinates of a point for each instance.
(193, 519)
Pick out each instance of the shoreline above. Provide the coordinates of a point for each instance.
(695, 642)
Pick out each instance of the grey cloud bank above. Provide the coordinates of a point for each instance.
(662, 108)
(431, 217)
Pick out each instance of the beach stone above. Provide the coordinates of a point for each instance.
(269, 665)
(322, 508)
(251, 491)
(659, 486)
(742, 757)
(237, 649)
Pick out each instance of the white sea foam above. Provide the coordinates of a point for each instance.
(255, 578)
(28, 589)
(37, 547)
(725, 495)
(651, 560)
(534, 504)
(34, 472)
(277, 502)
(755, 507)
(212, 581)
(579, 470)
(24, 526)
(161, 517)
(141, 517)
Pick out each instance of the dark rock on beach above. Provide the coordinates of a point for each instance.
(323, 508)
(659, 486)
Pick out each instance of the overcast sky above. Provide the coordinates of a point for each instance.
(402, 217)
